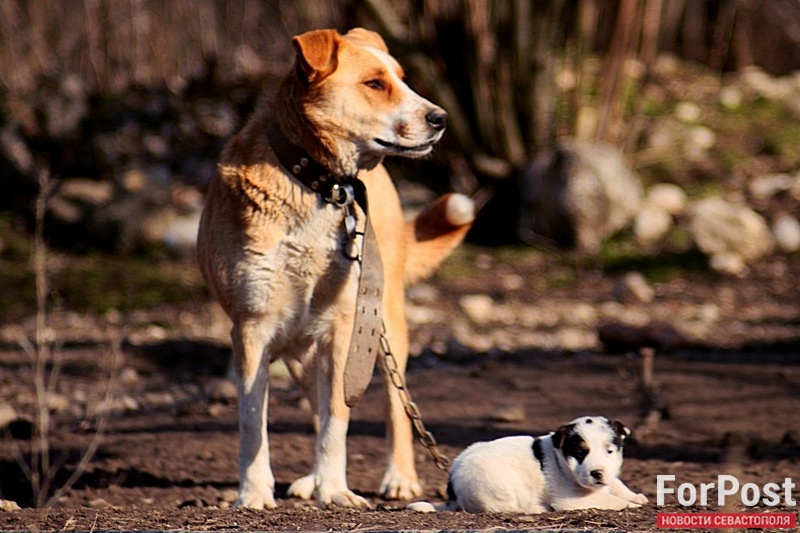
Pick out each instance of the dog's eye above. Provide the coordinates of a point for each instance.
(375, 84)
(610, 451)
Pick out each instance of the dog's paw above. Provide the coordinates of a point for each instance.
(396, 486)
(255, 500)
(639, 499)
(302, 488)
(344, 498)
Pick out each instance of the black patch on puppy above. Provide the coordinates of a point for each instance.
(537, 451)
(561, 434)
(620, 433)
(451, 492)
(575, 446)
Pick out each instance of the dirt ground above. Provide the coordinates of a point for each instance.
(166, 458)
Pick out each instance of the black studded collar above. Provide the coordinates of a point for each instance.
(297, 162)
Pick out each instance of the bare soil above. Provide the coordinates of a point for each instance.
(167, 461)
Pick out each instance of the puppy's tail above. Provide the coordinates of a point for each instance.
(427, 507)
(434, 233)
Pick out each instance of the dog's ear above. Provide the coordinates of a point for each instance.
(317, 54)
(366, 38)
(621, 429)
(561, 434)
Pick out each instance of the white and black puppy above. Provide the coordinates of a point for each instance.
(575, 467)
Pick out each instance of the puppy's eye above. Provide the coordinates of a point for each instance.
(610, 451)
(375, 84)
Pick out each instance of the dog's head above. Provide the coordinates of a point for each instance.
(356, 101)
(591, 449)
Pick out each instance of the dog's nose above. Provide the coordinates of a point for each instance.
(597, 474)
(436, 119)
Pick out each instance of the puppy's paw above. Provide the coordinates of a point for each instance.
(255, 500)
(302, 488)
(639, 499)
(396, 486)
(345, 498)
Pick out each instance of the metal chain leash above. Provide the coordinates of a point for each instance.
(424, 437)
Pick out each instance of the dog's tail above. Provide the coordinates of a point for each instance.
(435, 232)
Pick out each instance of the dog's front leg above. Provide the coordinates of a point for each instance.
(618, 488)
(330, 463)
(256, 481)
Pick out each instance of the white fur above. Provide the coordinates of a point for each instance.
(505, 476)
(460, 210)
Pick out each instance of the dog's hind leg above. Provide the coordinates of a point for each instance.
(400, 481)
(256, 481)
(304, 373)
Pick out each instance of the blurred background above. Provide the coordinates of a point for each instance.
(651, 136)
(637, 168)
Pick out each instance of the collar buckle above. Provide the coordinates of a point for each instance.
(341, 194)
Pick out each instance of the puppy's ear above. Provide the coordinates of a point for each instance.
(620, 428)
(316, 54)
(561, 434)
(366, 38)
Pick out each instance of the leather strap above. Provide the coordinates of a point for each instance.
(342, 191)
(368, 323)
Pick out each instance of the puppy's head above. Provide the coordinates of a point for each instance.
(354, 96)
(591, 449)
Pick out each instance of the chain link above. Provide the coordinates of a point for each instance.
(424, 437)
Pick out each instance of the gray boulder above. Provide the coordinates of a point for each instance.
(578, 194)
(731, 235)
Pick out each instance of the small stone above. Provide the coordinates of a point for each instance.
(158, 400)
(228, 495)
(423, 294)
(192, 502)
(687, 112)
(509, 413)
(667, 196)
(477, 307)
(786, 230)
(512, 282)
(731, 98)
(57, 402)
(128, 376)
(8, 506)
(633, 288)
(769, 185)
(728, 264)
(220, 390)
(99, 503)
(7, 414)
(651, 224)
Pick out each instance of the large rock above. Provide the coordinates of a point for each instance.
(731, 235)
(574, 195)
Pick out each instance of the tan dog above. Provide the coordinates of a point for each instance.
(271, 249)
